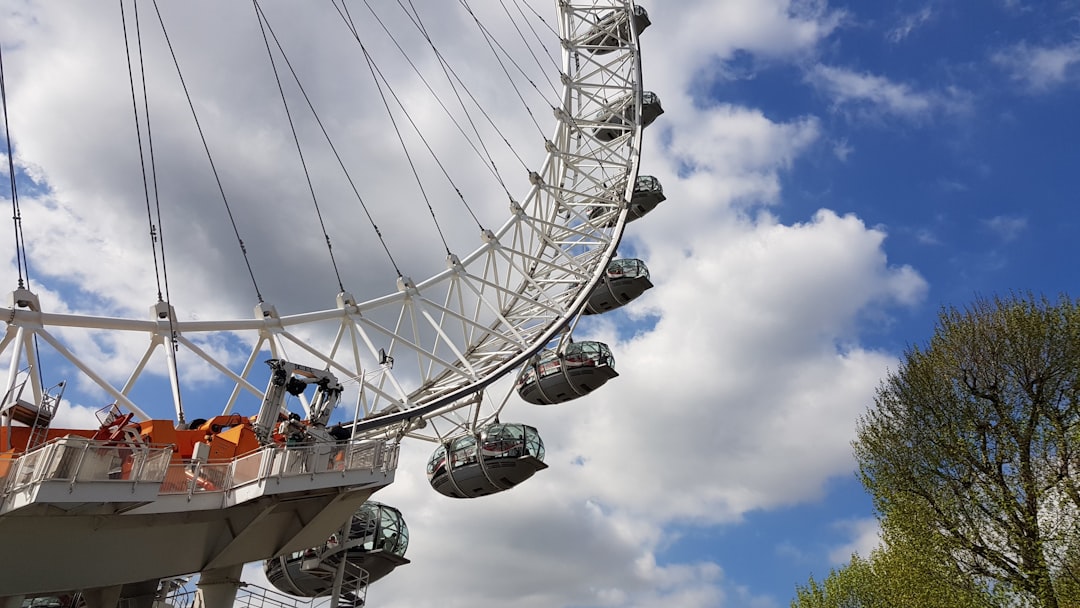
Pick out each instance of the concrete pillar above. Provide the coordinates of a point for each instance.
(140, 595)
(217, 588)
(102, 597)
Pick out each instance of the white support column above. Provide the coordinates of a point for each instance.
(217, 588)
(339, 575)
(16, 359)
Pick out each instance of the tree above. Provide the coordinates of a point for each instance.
(973, 443)
(903, 573)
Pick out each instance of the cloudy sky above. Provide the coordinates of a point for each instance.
(835, 172)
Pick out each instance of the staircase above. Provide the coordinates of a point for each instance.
(37, 416)
(352, 592)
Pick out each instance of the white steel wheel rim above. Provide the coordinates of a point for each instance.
(454, 333)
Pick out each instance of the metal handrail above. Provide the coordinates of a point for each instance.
(77, 459)
(277, 462)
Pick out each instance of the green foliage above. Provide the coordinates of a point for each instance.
(853, 586)
(972, 448)
(903, 574)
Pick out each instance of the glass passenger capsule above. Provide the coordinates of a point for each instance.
(498, 458)
(374, 539)
(554, 377)
(648, 193)
(612, 32)
(620, 122)
(623, 281)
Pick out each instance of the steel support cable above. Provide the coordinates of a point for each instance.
(448, 71)
(329, 141)
(299, 149)
(416, 128)
(476, 102)
(206, 147)
(21, 261)
(552, 57)
(539, 18)
(529, 46)
(16, 213)
(20, 239)
(376, 74)
(492, 44)
(153, 170)
(489, 163)
(142, 152)
(157, 235)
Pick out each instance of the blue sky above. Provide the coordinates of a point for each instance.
(836, 172)
(950, 125)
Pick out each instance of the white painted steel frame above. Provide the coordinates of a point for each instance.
(453, 334)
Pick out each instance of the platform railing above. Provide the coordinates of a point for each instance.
(77, 459)
(288, 461)
(7, 467)
(247, 596)
(194, 477)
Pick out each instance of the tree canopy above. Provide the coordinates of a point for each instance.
(903, 573)
(974, 441)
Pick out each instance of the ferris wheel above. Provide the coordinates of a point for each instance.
(421, 357)
(427, 347)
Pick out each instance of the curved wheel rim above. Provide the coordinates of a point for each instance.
(453, 334)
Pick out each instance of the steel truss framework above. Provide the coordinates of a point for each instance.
(428, 348)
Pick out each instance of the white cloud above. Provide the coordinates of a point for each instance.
(1007, 228)
(842, 149)
(1015, 6)
(740, 144)
(747, 349)
(699, 36)
(877, 95)
(865, 535)
(743, 395)
(927, 236)
(909, 23)
(1040, 68)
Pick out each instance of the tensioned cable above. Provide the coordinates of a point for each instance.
(352, 27)
(16, 213)
(157, 233)
(489, 163)
(206, 147)
(372, 67)
(529, 46)
(375, 75)
(20, 238)
(153, 174)
(329, 141)
(540, 18)
(138, 133)
(452, 76)
(488, 39)
(299, 150)
(552, 57)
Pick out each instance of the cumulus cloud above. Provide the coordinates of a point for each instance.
(742, 371)
(741, 144)
(1040, 68)
(702, 35)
